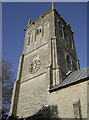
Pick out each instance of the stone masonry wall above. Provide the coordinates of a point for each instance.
(66, 97)
(32, 96)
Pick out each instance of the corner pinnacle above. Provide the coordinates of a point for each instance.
(53, 6)
(29, 22)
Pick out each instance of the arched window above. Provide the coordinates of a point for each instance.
(29, 40)
(67, 58)
(38, 31)
(68, 64)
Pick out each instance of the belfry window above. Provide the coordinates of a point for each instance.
(29, 40)
(74, 65)
(68, 63)
(38, 31)
(67, 58)
(45, 31)
(65, 36)
(62, 31)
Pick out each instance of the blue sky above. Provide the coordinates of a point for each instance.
(15, 17)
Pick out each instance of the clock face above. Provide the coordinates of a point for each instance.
(34, 66)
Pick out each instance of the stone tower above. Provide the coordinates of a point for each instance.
(48, 57)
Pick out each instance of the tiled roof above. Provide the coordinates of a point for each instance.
(74, 77)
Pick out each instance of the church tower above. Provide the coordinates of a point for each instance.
(48, 57)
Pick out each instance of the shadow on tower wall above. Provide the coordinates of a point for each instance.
(45, 113)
